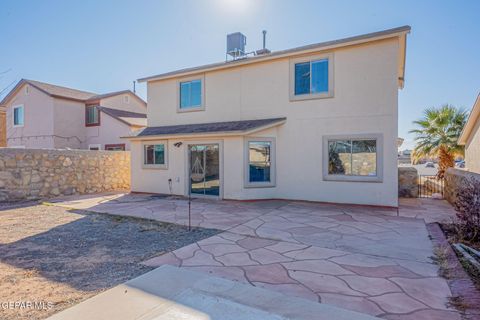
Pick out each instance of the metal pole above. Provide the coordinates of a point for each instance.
(189, 211)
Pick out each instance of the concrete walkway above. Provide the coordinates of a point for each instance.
(169, 293)
(359, 258)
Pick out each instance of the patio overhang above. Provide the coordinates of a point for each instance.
(212, 129)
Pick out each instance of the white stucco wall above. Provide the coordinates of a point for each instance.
(365, 102)
(472, 149)
(37, 131)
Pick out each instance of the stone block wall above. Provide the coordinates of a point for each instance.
(40, 173)
(407, 182)
(454, 180)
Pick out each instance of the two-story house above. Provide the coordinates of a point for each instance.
(317, 123)
(470, 138)
(42, 115)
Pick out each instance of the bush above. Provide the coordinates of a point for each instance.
(467, 205)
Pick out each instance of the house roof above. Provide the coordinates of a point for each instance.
(51, 90)
(375, 36)
(64, 92)
(115, 93)
(473, 118)
(127, 117)
(228, 127)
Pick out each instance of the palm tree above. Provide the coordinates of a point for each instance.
(437, 134)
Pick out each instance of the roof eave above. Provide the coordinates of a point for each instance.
(207, 134)
(470, 124)
(329, 45)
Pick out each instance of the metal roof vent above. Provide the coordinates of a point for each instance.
(236, 45)
(264, 50)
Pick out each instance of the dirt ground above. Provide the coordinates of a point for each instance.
(52, 258)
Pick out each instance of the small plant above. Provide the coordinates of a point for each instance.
(467, 205)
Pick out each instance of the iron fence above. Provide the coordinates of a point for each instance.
(429, 185)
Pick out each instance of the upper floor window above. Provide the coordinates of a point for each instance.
(312, 78)
(126, 99)
(18, 116)
(92, 116)
(191, 95)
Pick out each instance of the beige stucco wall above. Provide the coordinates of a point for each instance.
(3, 128)
(38, 128)
(365, 102)
(118, 102)
(69, 123)
(109, 132)
(472, 149)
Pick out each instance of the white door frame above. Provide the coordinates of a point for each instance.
(189, 143)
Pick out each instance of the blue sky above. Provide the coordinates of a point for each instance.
(103, 46)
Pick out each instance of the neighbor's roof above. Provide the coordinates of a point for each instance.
(51, 90)
(127, 117)
(63, 92)
(390, 33)
(115, 93)
(473, 118)
(229, 128)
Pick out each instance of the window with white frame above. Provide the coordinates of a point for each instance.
(126, 99)
(155, 155)
(312, 77)
(18, 116)
(191, 95)
(260, 162)
(355, 158)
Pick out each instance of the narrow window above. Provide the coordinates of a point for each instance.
(191, 94)
(18, 116)
(115, 147)
(94, 147)
(260, 163)
(311, 77)
(154, 155)
(92, 116)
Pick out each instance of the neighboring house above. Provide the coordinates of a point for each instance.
(42, 115)
(470, 138)
(3, 127)
(318, 123)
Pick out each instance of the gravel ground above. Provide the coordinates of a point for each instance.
(58, 257)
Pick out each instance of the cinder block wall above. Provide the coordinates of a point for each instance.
(40, 173)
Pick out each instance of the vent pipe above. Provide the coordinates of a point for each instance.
(264, 50)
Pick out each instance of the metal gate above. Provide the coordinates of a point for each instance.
(428, 185)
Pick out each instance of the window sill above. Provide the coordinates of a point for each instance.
(92, 125)
(303, 97)
(18, 125)
(191, 109)
(251, 185)
(155, 166)
(345, 178)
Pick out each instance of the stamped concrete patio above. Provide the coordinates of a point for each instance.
(375, 261)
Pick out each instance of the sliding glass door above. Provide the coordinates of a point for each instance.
(204, 160)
